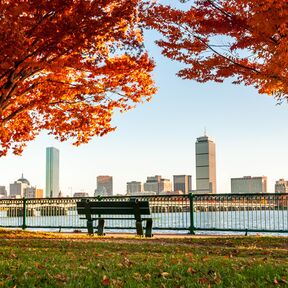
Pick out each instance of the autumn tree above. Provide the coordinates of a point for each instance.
(66, 65)
(217, 39)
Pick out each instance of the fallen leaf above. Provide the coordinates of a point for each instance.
(98, 255)
(61, 277)
(83, 267)
(137, 276)
(203, 280)
(147, 276)
(39, 265)
(117, 283)
(217, 278)
(105, 281)
(191, 270)
(126, 262)
(164, 274)
(284, 280)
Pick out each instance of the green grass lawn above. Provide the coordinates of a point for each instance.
(52, 260)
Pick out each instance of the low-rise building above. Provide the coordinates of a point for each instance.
(80, 194)
(178, 192)
(143, 193)
(3, 192)
(22, 188)
(39, 193)
(30, 192)
(249, 184)
(281, 186)
(17, 189)
(157, 184)
(134, 187)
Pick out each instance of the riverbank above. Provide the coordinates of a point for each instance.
(29, 259)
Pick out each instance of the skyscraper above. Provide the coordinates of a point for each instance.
(104, 186)
(182, 183)
(52, 172)
(205, 165)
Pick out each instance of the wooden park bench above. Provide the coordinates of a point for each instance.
(104, 210)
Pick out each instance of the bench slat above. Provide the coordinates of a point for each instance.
(114, 204)
(113, 218)
(111, 211)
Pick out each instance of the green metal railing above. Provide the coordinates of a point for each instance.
(182, 213)
(241, 212)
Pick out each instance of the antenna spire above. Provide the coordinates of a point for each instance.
(205, 132)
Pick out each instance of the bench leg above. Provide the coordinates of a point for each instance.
(101, 227)
(90, 227)
(139, 228)
(148, 231)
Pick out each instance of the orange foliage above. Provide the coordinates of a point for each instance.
(217, 39)
(65, 66)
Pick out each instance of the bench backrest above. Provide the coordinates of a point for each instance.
(133, 207)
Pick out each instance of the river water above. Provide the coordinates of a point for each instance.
(177, 222)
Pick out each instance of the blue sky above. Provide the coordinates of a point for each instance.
(159, 138)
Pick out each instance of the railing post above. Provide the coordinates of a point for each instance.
(192, 227)
(24, 214)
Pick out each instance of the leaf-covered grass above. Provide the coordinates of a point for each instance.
(52, 260)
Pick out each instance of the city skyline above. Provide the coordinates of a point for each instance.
(158, 138)
(106, 181)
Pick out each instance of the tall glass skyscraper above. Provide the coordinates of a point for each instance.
(52, 172)
(205, 165)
